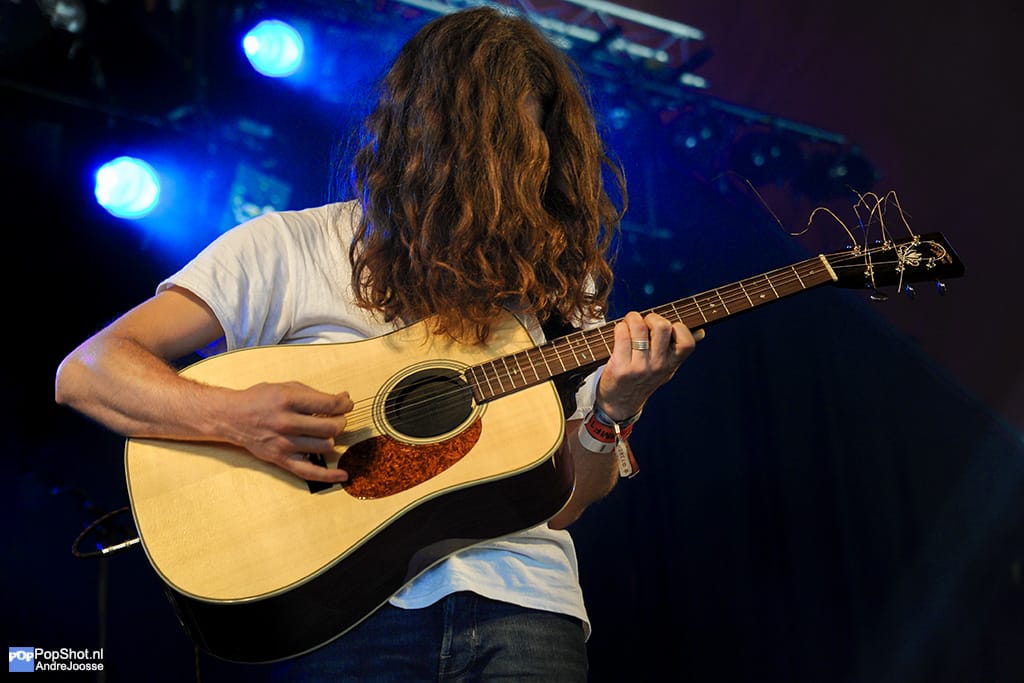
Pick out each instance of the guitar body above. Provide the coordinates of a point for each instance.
(261, 568)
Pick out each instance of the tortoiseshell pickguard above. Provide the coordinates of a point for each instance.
(382, 466)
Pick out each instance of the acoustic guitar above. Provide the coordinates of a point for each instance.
(447, 445)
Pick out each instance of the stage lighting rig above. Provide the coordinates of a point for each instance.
(610, 36)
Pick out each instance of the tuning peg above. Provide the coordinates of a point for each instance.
(879, 296)
(940, 286)
(910, 292)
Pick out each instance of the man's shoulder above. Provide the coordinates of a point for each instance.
(327, 221)
(331, 213)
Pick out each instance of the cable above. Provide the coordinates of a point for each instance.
(102, 551)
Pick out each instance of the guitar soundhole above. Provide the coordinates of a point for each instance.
(429, 403)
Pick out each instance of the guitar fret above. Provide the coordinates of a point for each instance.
(558, 353)
(582, 350)
(470, 375)
(800, 279)
(675, 313)
(547, 365)
(602, 334)
(699, 309)
(492, 378)
(529, 356)
(727, 311)
(523, 376)
(473, 376)
(572, 350)
(744, 290)
(710, 310)
(509, 374)
(582, 342)
(519, 368)
(769, 281)
(490, 389)
(588, 338)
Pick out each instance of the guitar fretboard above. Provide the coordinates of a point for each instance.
(589, 348)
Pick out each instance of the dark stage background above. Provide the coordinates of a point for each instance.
(830, 490)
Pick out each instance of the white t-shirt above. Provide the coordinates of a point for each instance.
(284, 278)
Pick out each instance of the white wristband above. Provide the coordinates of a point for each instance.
(592, 444)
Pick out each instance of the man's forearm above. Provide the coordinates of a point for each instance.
(595, 473)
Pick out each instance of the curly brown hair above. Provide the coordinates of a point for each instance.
(470, 207)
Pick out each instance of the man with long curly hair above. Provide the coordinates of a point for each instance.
(479, 195)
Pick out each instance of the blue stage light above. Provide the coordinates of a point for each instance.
(127, 187)
(274, 48)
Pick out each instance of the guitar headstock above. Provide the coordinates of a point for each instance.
(918, 258)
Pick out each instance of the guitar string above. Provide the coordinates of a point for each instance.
(739, 296)
(563, 349)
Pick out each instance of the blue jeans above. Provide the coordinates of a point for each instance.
(463, 637)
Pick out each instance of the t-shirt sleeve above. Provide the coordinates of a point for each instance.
(242, 276)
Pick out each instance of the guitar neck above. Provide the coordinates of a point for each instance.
(590, 348)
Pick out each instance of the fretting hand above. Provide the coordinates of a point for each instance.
(647, 352)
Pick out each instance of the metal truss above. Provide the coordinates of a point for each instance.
(596, 27)
(656, 56)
